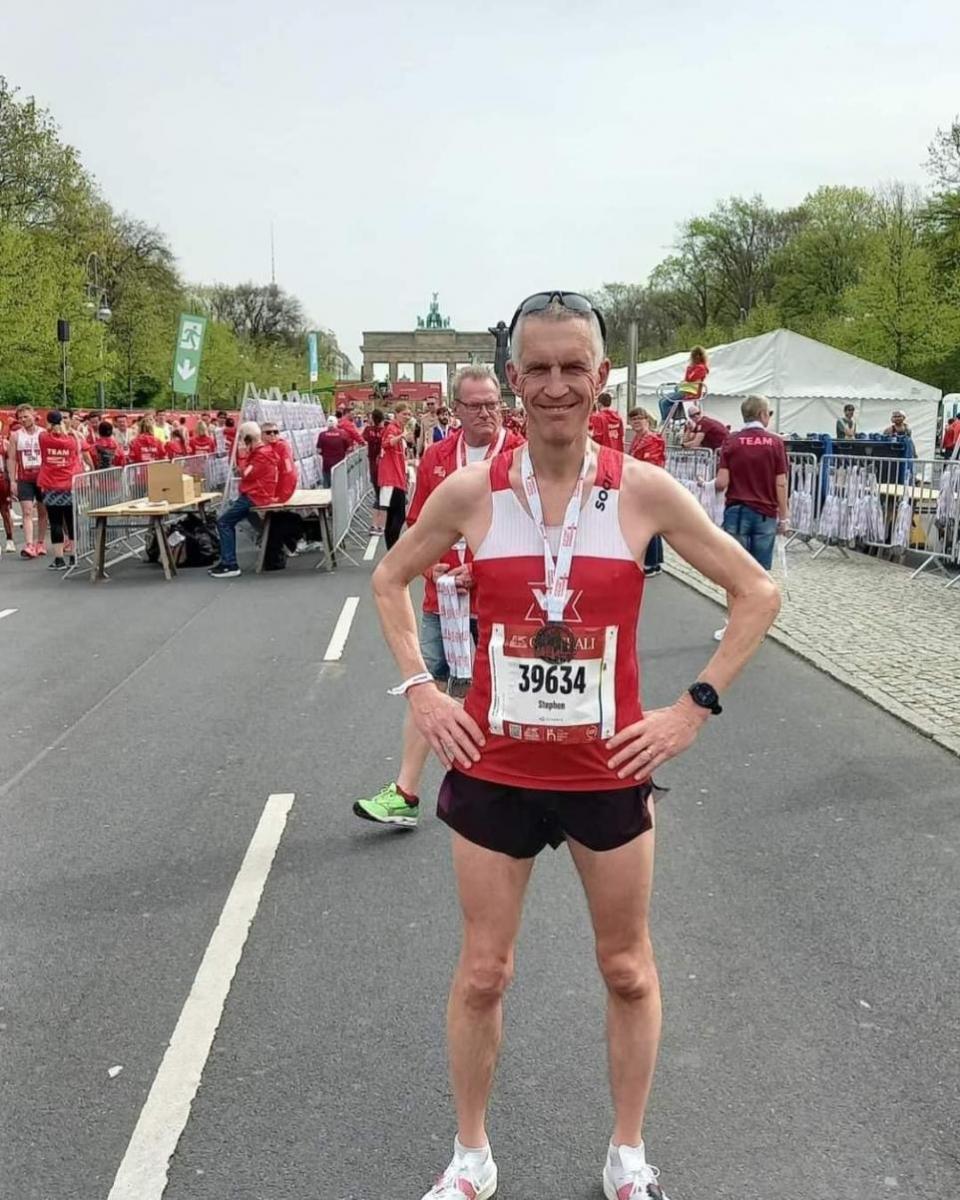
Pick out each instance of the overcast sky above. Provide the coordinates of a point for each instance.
(484, 151)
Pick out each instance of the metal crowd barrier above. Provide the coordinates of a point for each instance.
(697, 470)
(803, 489)
(892, 504)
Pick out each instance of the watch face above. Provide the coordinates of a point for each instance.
(704, 694)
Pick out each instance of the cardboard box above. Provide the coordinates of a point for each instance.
(166, 482)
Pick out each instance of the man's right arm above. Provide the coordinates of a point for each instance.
(450, 732)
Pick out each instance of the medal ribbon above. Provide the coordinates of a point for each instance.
(556, 572)
(455, 627)
(455, 606)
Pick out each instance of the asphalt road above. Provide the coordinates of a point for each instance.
(806, 919)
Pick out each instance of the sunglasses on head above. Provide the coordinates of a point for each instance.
(540, 301)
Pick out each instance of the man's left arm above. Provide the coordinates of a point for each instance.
(754, 601)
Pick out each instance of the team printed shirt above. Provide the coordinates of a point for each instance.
(392, 467)
(440, 460)
(203, 444)
(146, 448)
(715, 433)
(333, 445)
(60, 461)
(546, 723)
(175, 449)
(606, 428)
(754, 459)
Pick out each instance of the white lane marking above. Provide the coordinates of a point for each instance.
(7, 612)
(341, 630)
(142, 1174)
(371, 551)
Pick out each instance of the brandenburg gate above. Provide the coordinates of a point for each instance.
(433, 342)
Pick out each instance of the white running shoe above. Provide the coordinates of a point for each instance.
(10, 546)
(628, 1176)
(465, 1181)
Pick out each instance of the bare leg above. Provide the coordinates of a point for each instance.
(492, 888)
(7, 520)
(415, 752)
(42, 510)
(26, 509)
(617, 884)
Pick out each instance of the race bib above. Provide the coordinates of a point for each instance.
(534, 700)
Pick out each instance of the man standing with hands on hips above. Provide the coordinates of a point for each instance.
(552, 743)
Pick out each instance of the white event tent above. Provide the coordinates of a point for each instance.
(806, 382)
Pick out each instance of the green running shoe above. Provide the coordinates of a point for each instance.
(389, 808)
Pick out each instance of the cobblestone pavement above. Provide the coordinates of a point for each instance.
(865, 622)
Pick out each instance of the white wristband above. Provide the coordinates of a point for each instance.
(402, 688)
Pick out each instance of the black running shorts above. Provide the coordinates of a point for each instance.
(521, 821)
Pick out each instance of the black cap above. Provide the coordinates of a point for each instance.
(54, 417)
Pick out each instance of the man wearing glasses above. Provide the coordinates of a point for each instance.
(476, 402)
(552, 743)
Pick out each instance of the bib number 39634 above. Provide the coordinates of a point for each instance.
(537, 701)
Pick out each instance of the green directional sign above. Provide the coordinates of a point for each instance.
(186, 359)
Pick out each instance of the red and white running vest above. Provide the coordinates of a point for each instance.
(546, 723)
(28, 455)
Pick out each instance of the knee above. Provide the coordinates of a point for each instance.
(629, 974)
(484, 979)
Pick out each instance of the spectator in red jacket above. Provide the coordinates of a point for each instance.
(176, 446)
(951, 436)
(258, 488)
(333, 446)
(693, 386)
(145, 447)
(606, 428)
(651, 448)
(345, 422)
(59, 462)
(202, 442)
(106, 451)
(287, 478)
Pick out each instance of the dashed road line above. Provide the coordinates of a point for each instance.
(7, 612)
(341, 630)
(371, 551)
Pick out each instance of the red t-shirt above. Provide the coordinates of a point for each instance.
(696, 373)
(606, 428)
(754, 459)
(175, 449)
(715, 433)
(650, 448)
(392, 467)
(951, 434)
(146, 448)
(333, 446)
(287, 478)
(59, 459)
(204, 444)
(259, 476)
(441, 459)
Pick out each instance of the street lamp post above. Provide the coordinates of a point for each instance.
(96, 305)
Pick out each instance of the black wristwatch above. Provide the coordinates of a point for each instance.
(705, 695)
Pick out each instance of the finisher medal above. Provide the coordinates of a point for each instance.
(554, 642)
